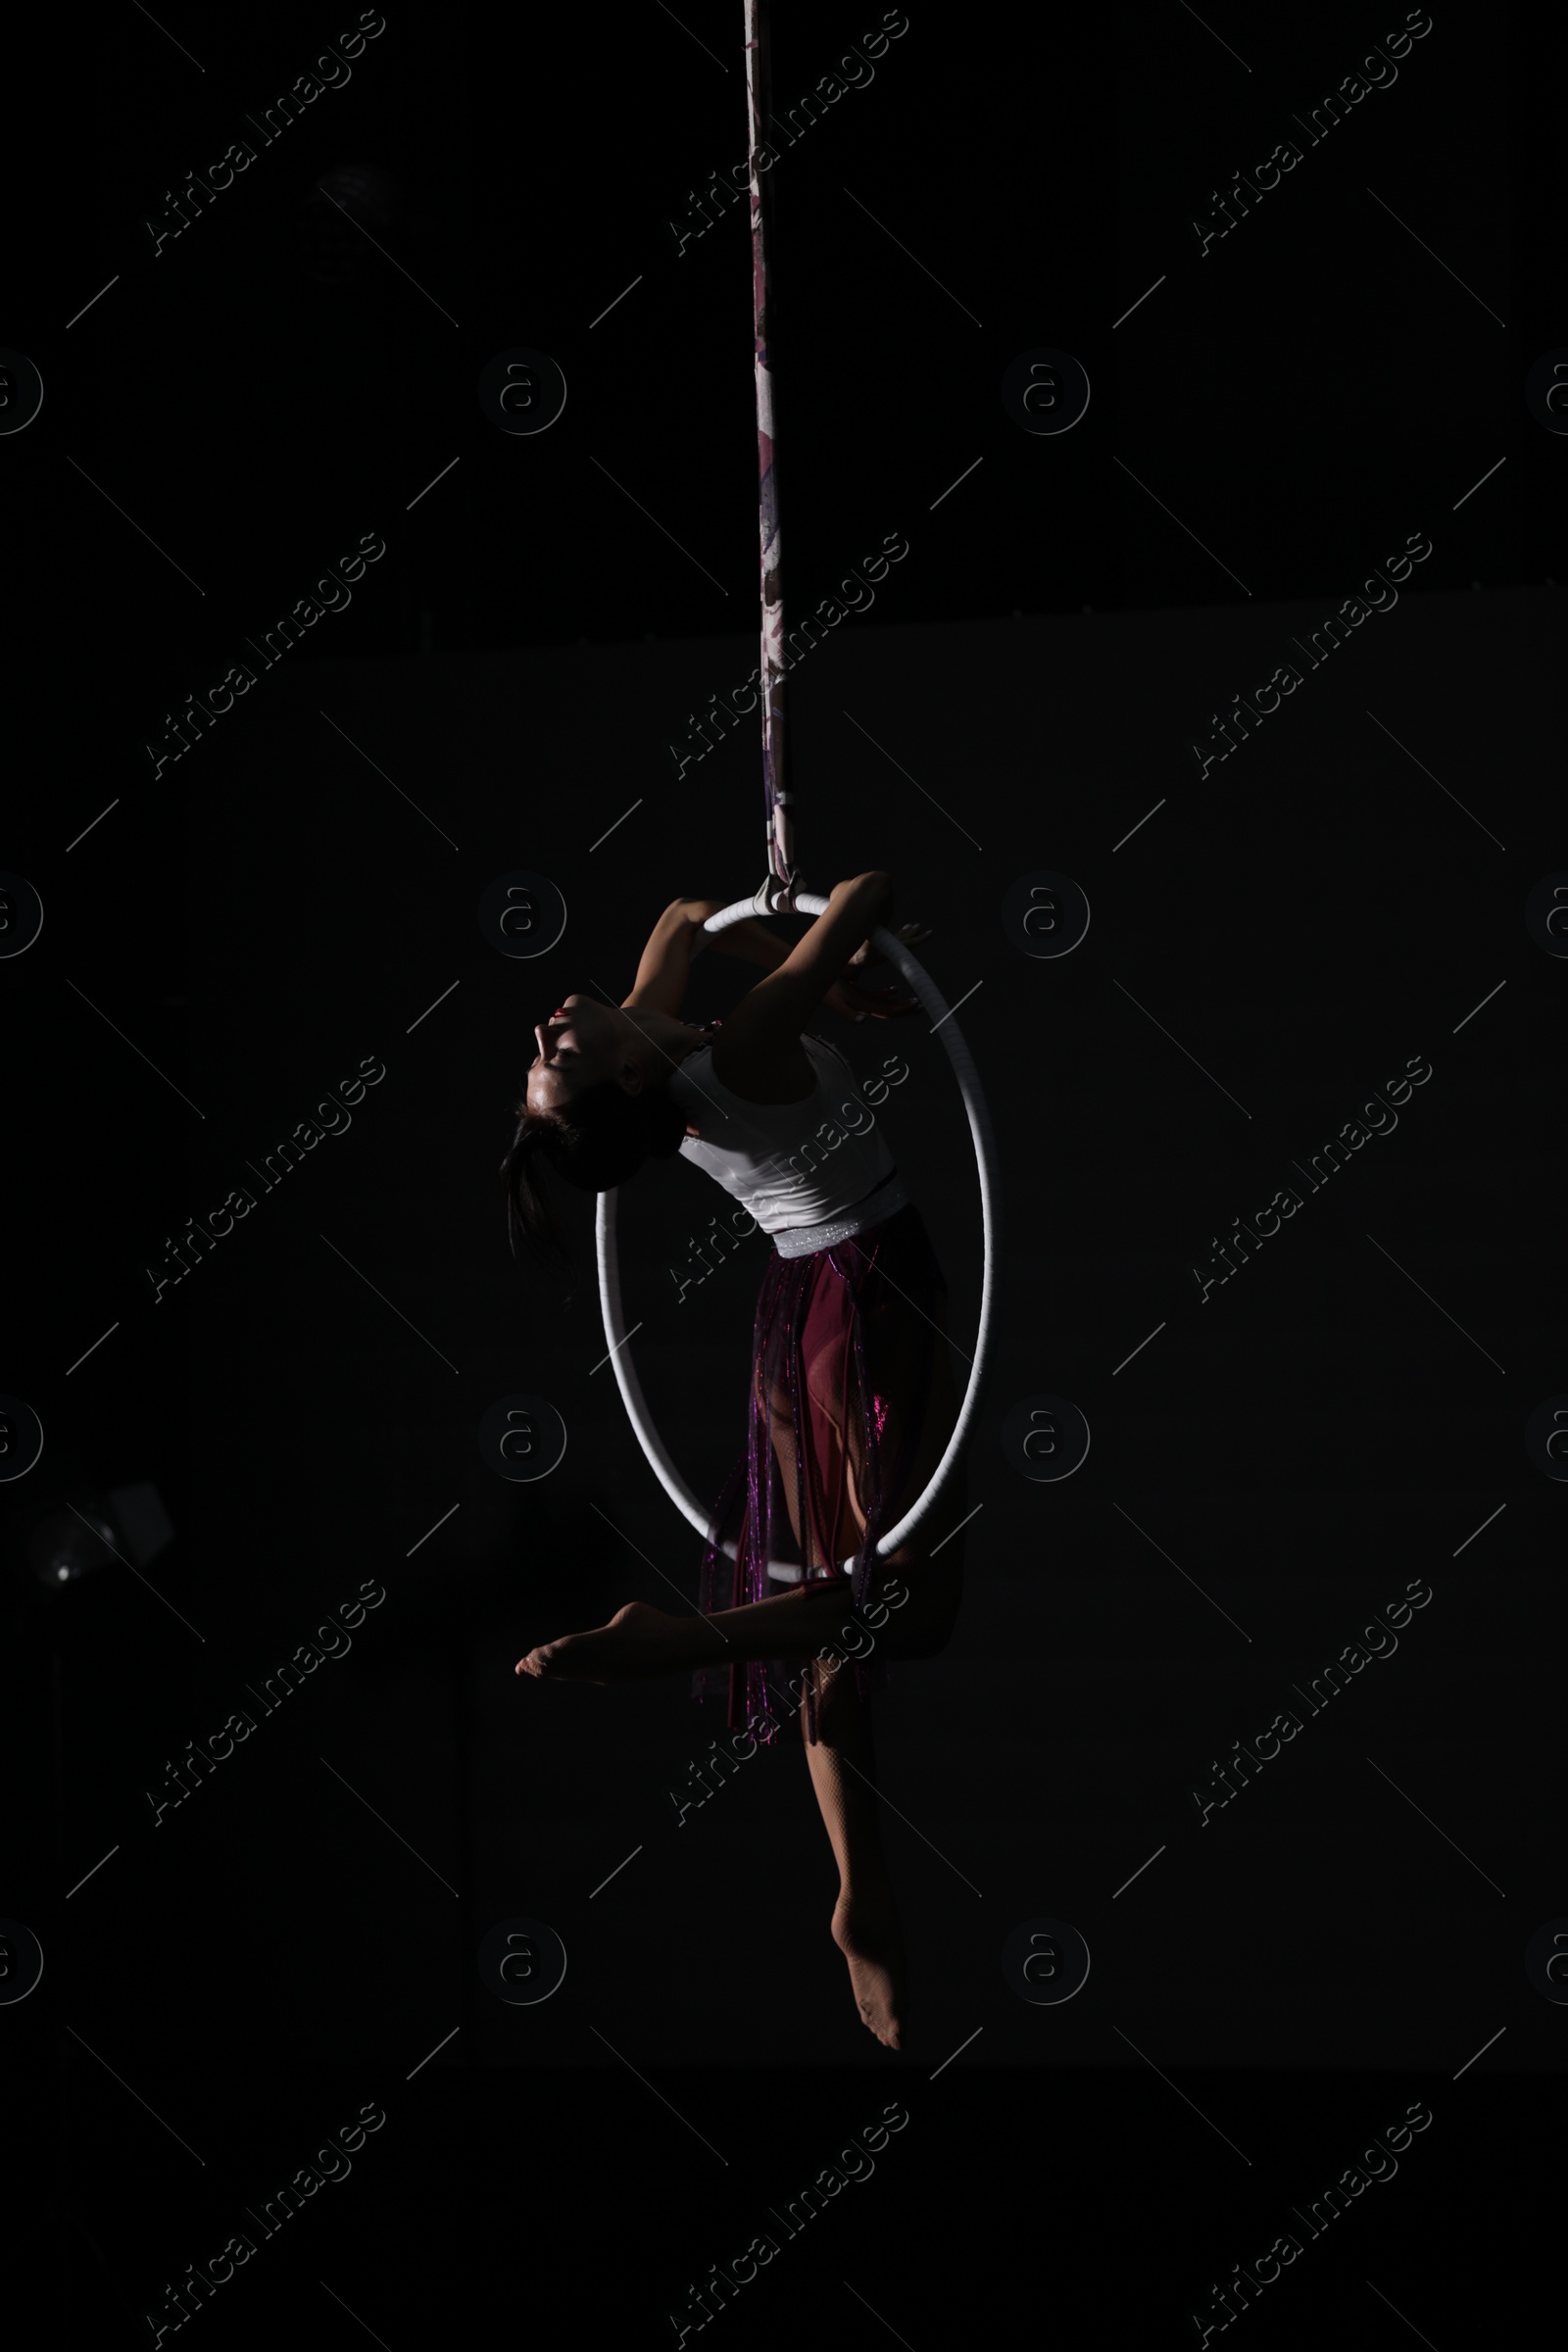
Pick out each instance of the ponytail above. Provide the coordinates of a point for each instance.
(597, 1139)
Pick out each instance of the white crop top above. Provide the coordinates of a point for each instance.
(791, 1164)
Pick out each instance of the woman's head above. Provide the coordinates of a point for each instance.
(595, 1107)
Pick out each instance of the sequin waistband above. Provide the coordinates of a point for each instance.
(801, 1241)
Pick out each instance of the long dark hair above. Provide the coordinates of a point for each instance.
(596, 1141)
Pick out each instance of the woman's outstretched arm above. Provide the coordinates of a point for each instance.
(769, 1020)
(665, 964)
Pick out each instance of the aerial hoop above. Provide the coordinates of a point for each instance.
(924, 988)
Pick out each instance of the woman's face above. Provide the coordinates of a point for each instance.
(586, 1041)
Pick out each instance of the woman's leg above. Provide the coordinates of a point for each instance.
(866, 1920)
(909, 1611)
(930, 1565)
(640, 1641)
(794, 1623)
(926, 1576)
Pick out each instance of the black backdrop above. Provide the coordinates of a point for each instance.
(1270, 941)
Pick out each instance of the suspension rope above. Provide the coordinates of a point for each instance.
(784, 872)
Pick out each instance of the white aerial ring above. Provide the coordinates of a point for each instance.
(924, 988)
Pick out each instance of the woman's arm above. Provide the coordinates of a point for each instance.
(750, 940)
(665, 963)
(769, 1020)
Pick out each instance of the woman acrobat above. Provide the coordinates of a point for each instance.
(851, 1396)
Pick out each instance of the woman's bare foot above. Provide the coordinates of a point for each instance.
(865, 1929)
(638, 1640)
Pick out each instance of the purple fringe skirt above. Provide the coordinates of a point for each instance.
(843, 1360)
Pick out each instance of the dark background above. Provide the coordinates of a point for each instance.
(1271, 944)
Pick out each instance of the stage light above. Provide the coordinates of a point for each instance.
(63, 1541)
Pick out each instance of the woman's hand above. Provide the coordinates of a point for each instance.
(853, 1002)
